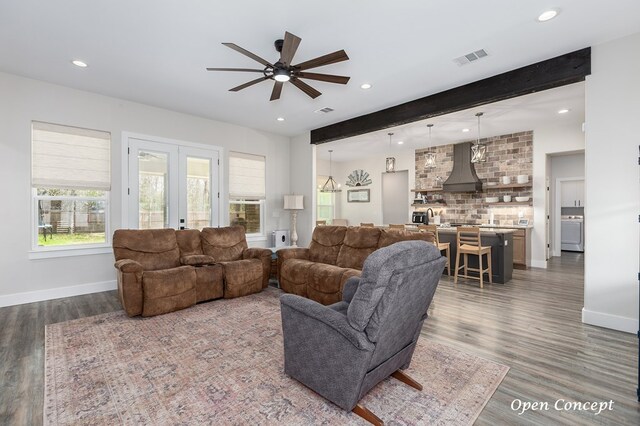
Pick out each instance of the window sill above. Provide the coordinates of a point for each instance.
(256, 238)
(68, 252)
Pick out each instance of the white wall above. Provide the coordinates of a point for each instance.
(548, 140)
(24, 100)
(562, 166)
(612, 186)
(356, 213)
(303, 182)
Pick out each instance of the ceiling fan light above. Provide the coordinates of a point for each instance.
(281, 75)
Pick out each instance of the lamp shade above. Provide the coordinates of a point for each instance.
(293, 202)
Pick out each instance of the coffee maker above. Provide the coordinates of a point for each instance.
(419, 217)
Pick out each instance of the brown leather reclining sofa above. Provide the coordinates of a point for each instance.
(164, 270)
(335, 254)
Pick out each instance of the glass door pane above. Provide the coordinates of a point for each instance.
(153, 194)
(172, 186)
(153, 185)
(198, 188)
(198, 192)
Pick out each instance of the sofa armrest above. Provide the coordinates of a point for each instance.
(350, 287)
(291, 253)
(264, 255)
(128, 265)
(314, 311)
(256, 253)
(197, 260)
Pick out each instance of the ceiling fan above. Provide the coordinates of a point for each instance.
(282, 71)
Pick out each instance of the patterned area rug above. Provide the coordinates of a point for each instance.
(222, 363)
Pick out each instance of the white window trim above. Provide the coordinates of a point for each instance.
(332, 205)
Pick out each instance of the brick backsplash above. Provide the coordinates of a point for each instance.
(507, 155)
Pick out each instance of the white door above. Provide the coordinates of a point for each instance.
(172, 186)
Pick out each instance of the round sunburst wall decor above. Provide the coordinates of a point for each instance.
(358, 178)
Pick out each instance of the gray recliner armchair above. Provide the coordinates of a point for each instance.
(343, 350)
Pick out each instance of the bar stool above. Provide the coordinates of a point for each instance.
(433, 229)
(366, 224)
(396, 227)
(469, 243)
(321, 222)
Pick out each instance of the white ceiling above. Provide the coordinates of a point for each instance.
(156, 51)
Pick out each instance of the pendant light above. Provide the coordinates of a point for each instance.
(390, 163)
(478, 151)
(430, 157)
(330, 185)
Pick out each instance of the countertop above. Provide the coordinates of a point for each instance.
(452, 229)
(484, 226)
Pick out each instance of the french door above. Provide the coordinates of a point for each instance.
(172, 186)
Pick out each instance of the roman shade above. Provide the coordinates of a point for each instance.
(70, 157)
(246, 176)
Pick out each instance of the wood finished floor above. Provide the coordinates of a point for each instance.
(531, 324)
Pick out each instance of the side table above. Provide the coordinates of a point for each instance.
(274, 264)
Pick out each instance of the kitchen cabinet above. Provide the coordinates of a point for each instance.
(572, 193)
(520, 248)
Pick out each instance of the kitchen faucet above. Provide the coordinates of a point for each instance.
(427, 218)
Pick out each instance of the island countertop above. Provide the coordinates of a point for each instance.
(483, 229)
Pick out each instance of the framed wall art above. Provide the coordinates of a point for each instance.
(358, 196)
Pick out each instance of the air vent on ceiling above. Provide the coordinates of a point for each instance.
(325, 110)
(470, 57)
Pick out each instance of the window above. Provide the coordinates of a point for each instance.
(247, 192)
(70, 184)
(326, 202)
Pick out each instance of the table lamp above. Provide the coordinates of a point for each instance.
(293, 203)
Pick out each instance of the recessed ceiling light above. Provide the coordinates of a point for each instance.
(280, 118)
(400, 142)
(365, 86)
(548, 15)
(465, 130)
(78, 63)
(563, 111)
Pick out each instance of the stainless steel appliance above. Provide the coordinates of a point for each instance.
(572, 233)
(419, 217)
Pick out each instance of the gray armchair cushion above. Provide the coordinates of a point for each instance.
(378, 276)
(350, 288)
(332, 318)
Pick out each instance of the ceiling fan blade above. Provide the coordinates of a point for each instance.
(313, 93)
(289, 47)
(247, 53)
(245, 85)
(324, 77)
(277, 89)
(330, 58)
(234, 69)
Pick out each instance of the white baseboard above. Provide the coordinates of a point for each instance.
(538, 264)
(56, 293)
(615, 322)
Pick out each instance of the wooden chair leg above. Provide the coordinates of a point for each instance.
(367, 415)
(480, 269)
(466, 262)
(455, 275)
(448, 252)
(490, 271)
(404, 378)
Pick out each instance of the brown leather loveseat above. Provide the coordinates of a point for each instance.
(164, 270)
(335, 254)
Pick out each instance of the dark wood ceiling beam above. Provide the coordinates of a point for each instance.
(559, 71)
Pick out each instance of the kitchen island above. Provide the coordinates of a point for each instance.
(501, 242)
